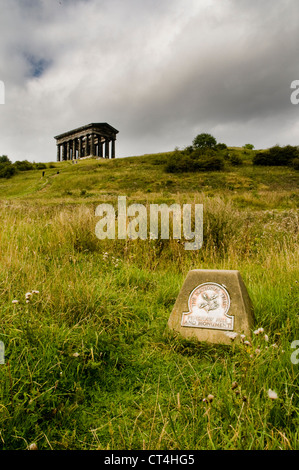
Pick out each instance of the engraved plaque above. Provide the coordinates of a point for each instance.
(213, 306)
(208, 306)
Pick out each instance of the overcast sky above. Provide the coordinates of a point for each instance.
(159, 71)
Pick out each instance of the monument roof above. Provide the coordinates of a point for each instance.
(102, 126)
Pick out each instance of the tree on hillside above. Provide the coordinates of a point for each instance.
(4, 159)
(204, 141)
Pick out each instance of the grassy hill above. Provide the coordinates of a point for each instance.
(90, 363)
(145, 179)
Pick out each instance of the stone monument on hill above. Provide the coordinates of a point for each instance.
(92, 140)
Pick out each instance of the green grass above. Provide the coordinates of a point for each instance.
(90, 363)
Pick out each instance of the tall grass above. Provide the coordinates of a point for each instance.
(90, 363)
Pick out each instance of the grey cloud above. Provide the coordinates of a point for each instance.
(160, 72)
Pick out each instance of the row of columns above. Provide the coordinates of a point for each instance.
(73, 148)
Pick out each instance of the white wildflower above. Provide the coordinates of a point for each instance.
(266, 338)
(231, 335)
(33, 446)
(247, 343)
(271, 394)
(76, 354)
(15, 301)
(258, 331)
(35, 292)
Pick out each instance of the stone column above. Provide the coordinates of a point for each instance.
(68, 150)
(92, 145)
(80, 148)
(86, 145)
(113, 149)
(74, 149)
(63, 152)
(100, 148)
(106, 147)
(58, 152)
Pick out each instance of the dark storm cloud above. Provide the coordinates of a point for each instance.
(234, 72)
(159, 71)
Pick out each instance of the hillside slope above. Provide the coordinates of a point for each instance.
(144, 178)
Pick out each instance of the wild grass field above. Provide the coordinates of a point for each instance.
(89, 360)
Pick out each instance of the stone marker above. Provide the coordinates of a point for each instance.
(213, 306)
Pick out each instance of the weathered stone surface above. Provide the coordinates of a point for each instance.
(213, 306)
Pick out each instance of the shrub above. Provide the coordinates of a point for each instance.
(40, 166)
(261, 158)
(210, 163)
(7, 170)
(235, 160)
(4, 159)
(198, 160)
(276, 156)
(221, 146)
(24, 165)
(295, 163)
(188, 150)
(179, 162)
(248, 146)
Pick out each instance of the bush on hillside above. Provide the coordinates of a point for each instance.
(40, 166)
(24, 165)
(7, 170)
(4, 159)
(235, 159)
(196, 160)
(221, 146)
(295, 163)
(277, 156)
